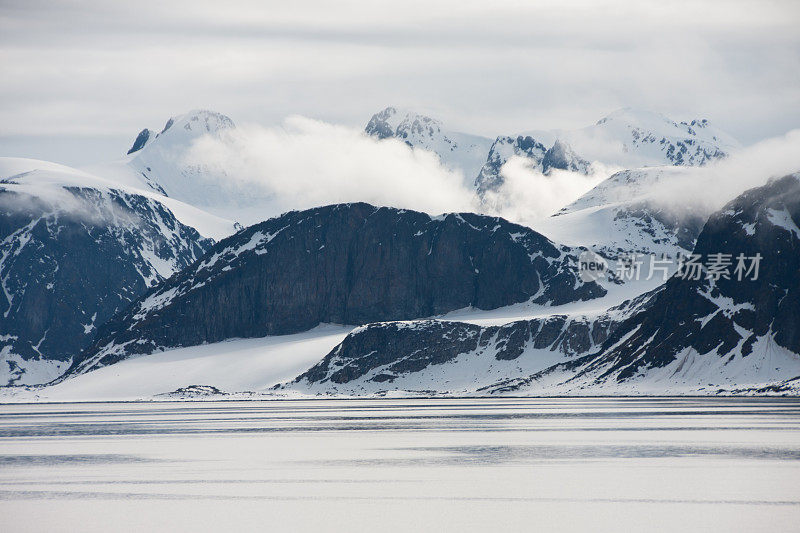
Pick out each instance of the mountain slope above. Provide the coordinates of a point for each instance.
(621, 216)
(457, 357)
(345, 264)
(457, 151)
(73, 252)
(698, 327)
(632, 138)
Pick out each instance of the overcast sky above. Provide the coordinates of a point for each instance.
(81, 78)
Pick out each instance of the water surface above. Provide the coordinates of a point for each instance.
(720, 464)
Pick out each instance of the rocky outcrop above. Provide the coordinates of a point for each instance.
(144, 136)
(490, 178)
(561, 156)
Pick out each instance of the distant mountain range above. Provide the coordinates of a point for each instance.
(120, 261)
(628, 138)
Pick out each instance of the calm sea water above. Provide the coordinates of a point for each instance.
(721, 464)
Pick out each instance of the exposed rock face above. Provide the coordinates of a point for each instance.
(376, 355)
(347, 264)
(69, 262)
(561, 157)
(395, 348)
(503, 149)
(141, 139)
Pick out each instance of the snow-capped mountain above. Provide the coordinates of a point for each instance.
(432, 356)
(75, 250)
(166, 163)
(623, 215)
(343, 264)
(161, 161)
(727, 331)
(457, 151)
(627, 138)
(632, 137)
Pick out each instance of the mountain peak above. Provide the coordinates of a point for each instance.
(650, 120)
(398, 122)
(635, 116)
(199, 121)
(457, 151)
(195, 123)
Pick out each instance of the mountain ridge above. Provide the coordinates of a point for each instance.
(347, 264)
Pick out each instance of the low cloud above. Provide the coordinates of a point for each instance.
(61, 201)
(528, 195)
(710, 187)
(308, 163)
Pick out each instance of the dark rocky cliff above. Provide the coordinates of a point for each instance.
(347, 264)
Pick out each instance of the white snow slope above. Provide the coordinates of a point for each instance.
(235, 365)
(621, 215)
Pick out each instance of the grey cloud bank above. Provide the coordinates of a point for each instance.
(85, 71)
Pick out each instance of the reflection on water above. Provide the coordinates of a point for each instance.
(53, 460)
(305, 462)
(508, 454)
